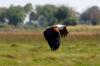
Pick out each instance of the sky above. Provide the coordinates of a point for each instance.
(78, 5)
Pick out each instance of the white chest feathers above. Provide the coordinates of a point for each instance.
(60, 27)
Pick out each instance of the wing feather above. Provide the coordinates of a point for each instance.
(53, 38)
(63, 32)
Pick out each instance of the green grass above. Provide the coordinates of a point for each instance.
(31, 49)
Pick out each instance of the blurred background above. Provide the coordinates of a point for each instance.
(44, 13)
(22, 23)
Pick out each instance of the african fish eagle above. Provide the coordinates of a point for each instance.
(53, 35)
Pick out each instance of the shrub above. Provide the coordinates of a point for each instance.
(70, 21)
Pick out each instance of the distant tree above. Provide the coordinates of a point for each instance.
(70, 21)
(2, 17)
(3, 14)
(16, 15)
(91, 15)
(73, 14)
(47, 12)
(33, 16)
(28, 7)
(62, 13)
(46, 15)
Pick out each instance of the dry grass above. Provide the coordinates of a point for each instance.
(84, 28)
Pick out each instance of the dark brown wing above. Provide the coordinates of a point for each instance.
(63, 32)
(53, 38)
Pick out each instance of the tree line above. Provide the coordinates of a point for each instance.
(48, 15)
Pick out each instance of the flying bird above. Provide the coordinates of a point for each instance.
(53, 35)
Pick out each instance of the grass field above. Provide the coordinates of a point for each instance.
(80, 48)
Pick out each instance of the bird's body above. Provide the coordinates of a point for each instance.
(53, 35)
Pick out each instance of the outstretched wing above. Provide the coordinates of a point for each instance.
(53, 38)
(63, 32)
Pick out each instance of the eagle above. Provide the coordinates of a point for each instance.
(54, 34)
